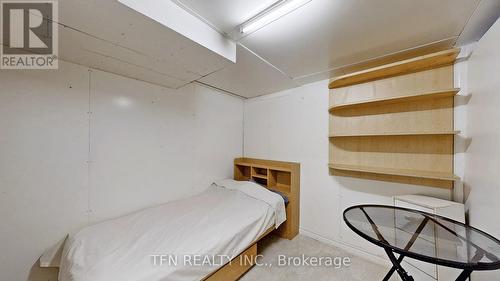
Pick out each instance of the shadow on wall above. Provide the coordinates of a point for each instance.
(389, 108)
(462, 144)
(385, 190)
(380, 183)
(462, 99)
(43, 274)
(467, 191)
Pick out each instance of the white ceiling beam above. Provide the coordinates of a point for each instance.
(174, 17)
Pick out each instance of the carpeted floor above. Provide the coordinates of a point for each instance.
(272, 247)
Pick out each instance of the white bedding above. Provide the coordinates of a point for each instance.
(222, 221)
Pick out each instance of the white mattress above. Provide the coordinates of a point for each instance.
(220, 221)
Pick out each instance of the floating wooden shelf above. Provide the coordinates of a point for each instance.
(396, 172)
(395, 122)
(421, 63)
(406, 98)
(396, 134)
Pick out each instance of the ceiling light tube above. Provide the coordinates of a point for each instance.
(271, 14)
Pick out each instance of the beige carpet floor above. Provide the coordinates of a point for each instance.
(272, 247)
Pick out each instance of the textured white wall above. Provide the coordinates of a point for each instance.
(293, 126)
(62, 167)
(482, 177)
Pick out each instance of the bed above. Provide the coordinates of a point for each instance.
(197, 238)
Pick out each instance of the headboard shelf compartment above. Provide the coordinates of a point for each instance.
(259, 176)
(280, 181)
(283, 177)
(261, 181)
(242, 172)
(395, 122)
(259, 172)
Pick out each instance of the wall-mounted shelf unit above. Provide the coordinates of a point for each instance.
(431, 61)
(397, 172)
(395, 122)
(405, 98)
(396, 134)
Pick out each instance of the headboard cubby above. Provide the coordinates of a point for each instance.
(279, 176)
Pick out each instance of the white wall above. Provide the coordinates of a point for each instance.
(78, 146)
(293, 126)
(482, 177)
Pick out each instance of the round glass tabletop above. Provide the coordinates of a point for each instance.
(425, 236)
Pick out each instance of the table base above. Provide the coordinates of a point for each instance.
(396, 267)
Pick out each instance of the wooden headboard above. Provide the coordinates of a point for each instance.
(279, 176)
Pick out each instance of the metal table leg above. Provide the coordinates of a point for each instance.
(464, 275)
(397, 263)
(396, 266)
(393, 268)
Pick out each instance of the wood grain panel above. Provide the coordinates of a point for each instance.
(407, 133)
(400, 56)
(422, 82)
(278, 176)
(433, 115)
(396, 172)
(446, 184)
(412, 97)
(395, 122)
(237, 267)
(421, 153)
(412, 65)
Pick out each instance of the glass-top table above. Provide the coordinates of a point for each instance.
(426, 237)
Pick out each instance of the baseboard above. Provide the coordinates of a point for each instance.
(347, 247)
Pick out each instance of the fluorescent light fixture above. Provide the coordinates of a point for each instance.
(271, 14)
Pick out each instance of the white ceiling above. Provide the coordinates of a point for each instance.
(312, 43)
(324, 35)
(107, 35)
(227, 15)
(249, 77)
